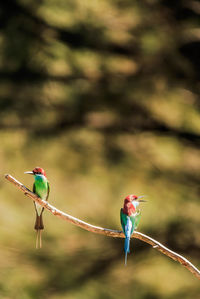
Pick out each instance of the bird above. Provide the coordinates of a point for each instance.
(40, 188)
(130, 218)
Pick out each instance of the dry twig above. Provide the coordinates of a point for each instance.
(105, 231)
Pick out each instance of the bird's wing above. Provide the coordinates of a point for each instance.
(33, 187)
(137, 219)
(39, 209)
(48, 190)
(35, 193)
(123, 218)
(133, 220)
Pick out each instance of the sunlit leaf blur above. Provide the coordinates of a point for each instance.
(104, 95)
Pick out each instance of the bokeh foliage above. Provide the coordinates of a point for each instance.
(104, 95)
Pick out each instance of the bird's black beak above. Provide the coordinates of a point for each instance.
(29, 172)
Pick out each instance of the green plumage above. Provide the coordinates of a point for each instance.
(129, 224)
(137, 219)
(41, 188)
(124, 218)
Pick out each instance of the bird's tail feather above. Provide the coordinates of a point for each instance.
(39, 238)
(125, 259)
(39, 226)
(39, 222)
(126, 248)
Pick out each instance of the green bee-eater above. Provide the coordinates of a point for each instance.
(41, 188)
(130, 219)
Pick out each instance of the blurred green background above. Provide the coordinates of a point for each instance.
(104, 95)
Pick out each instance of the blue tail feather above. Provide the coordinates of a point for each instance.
(125, 258)
(126, 248)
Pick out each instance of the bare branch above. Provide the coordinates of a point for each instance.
(105, 231)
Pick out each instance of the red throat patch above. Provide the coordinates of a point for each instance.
(129, 208)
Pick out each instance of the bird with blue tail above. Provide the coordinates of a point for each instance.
(41, 188)
(130, 218)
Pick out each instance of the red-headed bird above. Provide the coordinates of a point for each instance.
(130, 218)
(41, 188)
